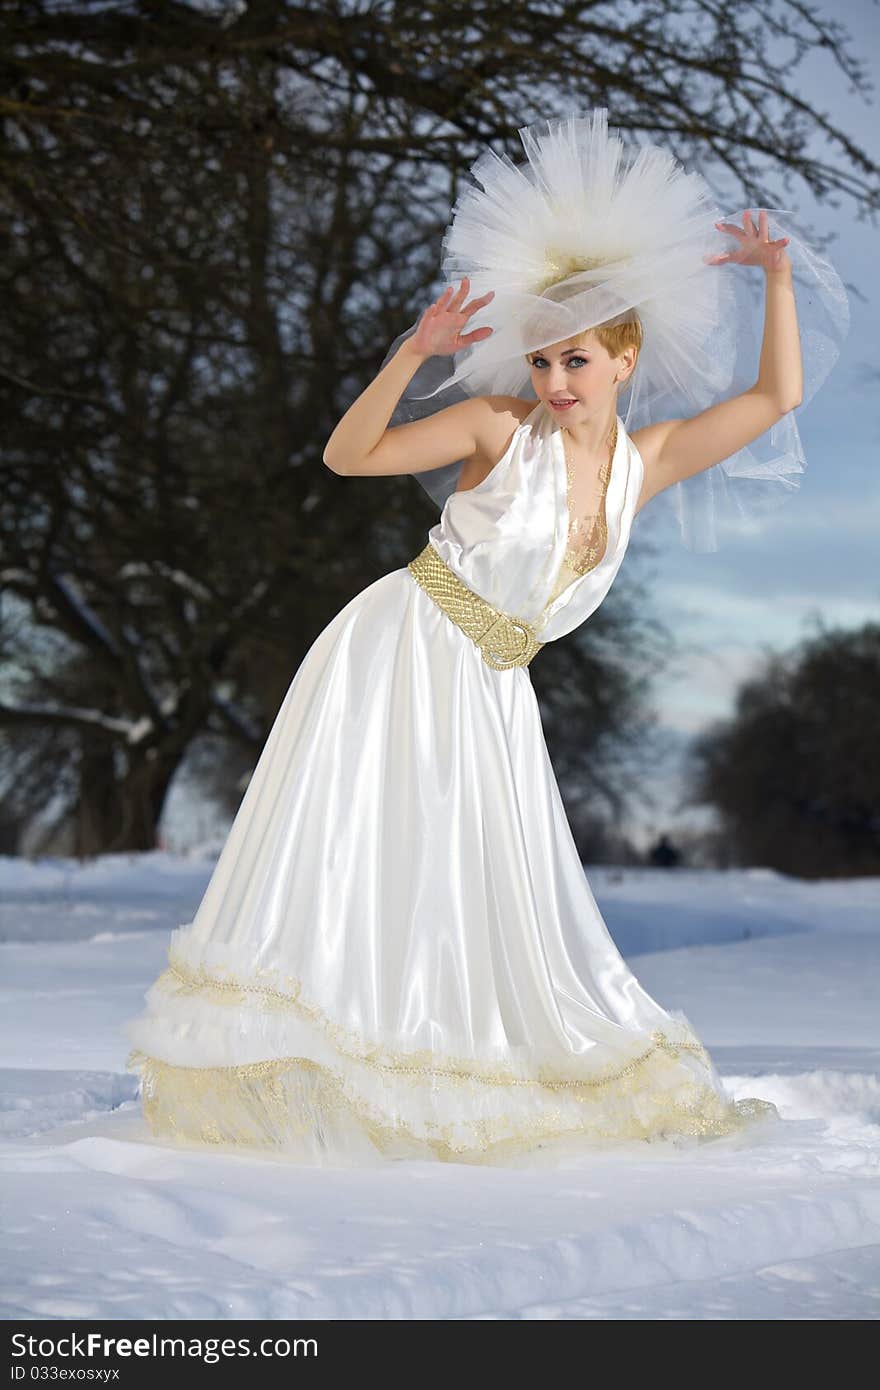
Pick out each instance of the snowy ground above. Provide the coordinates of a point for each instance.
(780, 979)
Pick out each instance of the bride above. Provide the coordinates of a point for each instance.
(398, 953)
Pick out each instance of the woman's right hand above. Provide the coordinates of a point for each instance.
(439, 331)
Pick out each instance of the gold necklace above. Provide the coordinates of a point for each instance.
(583, 555)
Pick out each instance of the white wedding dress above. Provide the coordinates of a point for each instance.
(398, 953)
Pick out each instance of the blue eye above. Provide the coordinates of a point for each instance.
(576, 358)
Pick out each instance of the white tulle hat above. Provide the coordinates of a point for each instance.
(587, 230)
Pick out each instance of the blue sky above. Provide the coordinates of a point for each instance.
(819, 555)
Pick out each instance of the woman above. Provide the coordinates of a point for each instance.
(398, 953)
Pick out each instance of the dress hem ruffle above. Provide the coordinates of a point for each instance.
(340, 1099)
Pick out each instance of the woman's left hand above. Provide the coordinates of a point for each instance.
(755, 247)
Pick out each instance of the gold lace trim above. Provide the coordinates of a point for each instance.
(297, 1105)
(180, 977)
(581, 556)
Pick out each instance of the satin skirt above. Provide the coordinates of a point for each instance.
(398, 953)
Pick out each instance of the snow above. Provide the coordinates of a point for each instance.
(779, 977)
(79, 714)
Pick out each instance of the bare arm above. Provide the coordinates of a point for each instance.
(456, 432)
(676, 449)
(362, 443)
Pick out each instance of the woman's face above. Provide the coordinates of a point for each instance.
(575, 377)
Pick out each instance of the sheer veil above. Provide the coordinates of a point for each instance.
(587, 229)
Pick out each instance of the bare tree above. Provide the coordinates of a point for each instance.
(795, 773)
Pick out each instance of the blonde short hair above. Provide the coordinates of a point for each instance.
(620, 333)
(615, 335)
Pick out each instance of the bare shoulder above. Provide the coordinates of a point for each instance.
(495, 418)
(649, 441)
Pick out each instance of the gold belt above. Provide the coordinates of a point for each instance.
(503, 641)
